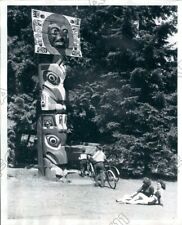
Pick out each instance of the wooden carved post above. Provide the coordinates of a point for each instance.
(56, 35)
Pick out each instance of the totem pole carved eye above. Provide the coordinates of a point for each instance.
(65, 31)
(51, 77)
(53, 140)
(54, 31)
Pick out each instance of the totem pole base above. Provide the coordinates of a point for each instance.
(50, 174)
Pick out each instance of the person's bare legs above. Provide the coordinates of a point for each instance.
(139, 198)
(139, 202)
(124, 198)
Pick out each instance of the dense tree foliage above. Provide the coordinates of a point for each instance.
(122, 93)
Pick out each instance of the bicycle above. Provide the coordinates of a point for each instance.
(115, 170)
(109, 175)
(112, 160)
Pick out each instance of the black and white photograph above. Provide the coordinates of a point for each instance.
(89, 113)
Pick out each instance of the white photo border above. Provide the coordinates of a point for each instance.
(3, 86)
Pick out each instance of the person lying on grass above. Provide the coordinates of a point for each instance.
(155, 199)
(146, 189)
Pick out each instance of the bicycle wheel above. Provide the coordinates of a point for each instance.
(116, 172)
(91, 170)
(111, 179)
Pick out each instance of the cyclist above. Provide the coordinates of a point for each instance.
(99, 157)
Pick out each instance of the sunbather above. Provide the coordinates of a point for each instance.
(155, 199)
(146, 189)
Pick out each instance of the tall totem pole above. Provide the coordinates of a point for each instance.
(56, 35)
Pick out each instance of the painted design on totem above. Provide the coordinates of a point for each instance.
(56, 34)
(53, 94)
(54, 138)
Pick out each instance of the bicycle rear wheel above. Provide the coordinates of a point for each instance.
(111, 179)
(116, 172)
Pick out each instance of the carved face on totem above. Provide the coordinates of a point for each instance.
(58, 36)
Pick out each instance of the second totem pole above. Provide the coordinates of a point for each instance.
(56, 35)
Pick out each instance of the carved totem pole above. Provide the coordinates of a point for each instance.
(56, 35)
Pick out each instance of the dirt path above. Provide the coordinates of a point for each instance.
(30, 197)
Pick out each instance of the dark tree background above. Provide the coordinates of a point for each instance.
(122, 93)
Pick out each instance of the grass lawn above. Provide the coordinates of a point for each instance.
(32, 198)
